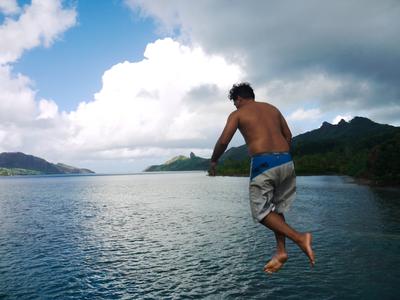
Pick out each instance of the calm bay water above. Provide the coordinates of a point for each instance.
(189, 236)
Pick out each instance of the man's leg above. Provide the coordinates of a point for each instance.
(280, 239)
(277, 223)
(281, 255)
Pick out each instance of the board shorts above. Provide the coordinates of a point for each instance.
(272, 184)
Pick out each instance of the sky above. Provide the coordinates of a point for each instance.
(118, 85)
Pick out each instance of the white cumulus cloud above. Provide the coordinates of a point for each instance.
(48, 109)
(149, 103)
(39, 23)
(338, 118)
(25, 123)
(9, 7)
(17, 99)
(302, 114)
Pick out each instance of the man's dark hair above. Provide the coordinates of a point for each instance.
(243, 90)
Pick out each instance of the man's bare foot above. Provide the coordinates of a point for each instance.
(276, 263)
(305, 245)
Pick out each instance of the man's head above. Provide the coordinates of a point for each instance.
(242, 90)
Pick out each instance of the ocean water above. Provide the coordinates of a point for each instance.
(190, 236)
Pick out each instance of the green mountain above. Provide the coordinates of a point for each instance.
(18, 163)
(359, 148)
(234, 162)
(361, 131)
(182, 163)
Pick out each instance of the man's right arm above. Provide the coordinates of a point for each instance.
(230, 128)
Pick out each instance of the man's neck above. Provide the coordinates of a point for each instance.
(247, 101)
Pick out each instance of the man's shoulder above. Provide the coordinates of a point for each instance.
(265, 107)
(266, 104)
(270, 108)
(234, 115)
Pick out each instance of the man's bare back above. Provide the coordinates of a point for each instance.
(262, 126)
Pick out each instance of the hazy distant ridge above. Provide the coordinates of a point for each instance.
(18, 163)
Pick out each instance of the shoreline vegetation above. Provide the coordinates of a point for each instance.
(17, 172)
(367, 151)
(221, 171)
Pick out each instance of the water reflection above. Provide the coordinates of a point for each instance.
(190, 236)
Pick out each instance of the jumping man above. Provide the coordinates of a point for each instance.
(272, 178)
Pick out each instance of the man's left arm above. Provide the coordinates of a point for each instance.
(231, 126)
(285, 130)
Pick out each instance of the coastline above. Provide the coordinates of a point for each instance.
(357, 180)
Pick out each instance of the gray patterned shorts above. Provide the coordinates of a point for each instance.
(272, 184)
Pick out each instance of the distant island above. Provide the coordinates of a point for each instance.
(18, 163)
(182, 163)
(359, 148)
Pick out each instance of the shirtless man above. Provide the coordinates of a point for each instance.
(272, 179)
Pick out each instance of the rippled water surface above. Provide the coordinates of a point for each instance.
(189, 236)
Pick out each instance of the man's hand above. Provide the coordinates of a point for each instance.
(211, 170)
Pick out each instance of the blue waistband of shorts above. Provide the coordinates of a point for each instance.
(264, 161)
